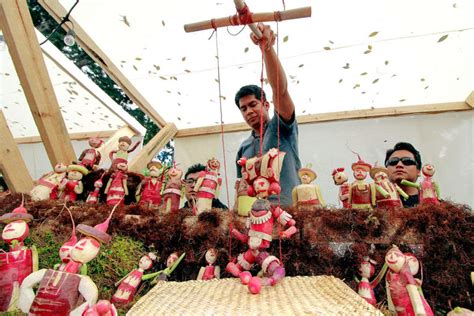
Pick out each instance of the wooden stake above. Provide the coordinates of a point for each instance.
(29, 64)
(151, 149)
(12, 164)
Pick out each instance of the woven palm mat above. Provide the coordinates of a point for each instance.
(317, 295)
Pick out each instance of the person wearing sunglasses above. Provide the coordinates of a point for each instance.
(403, 162)
(190, 178)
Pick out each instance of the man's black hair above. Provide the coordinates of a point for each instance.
(250, 90)
(408, 147)
(194, 168)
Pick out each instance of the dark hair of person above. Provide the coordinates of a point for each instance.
(408, 147)
(250, 90)
(194, 168)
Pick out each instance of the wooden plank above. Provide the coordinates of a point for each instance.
(29, 64)
(470, 100)
(72, 136)
(57, 11)
(112, 143)
(151, 149)
(12, 164)
(334, 116)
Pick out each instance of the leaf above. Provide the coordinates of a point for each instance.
(156, 67)
(369, 47)
(442, 38)
(363, 74)
(356, 86)
(340, 80)
(327, 48)
(187, 70)
(168, 91)
(246, 49)
(367, 52)
(161, 77)
(163, 22)
(216, 80)
(135, 67)
(373, 34)
(427, 87)
(331, 42)
(138, 58)
(346, 66)
(179, 119)
(223, 97)
(300, 65)
(422, 79)
(402, 100)
(285, 39)
(375, 81)
(183, 59)
(386, 62)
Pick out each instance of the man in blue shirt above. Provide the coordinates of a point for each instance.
(280, 130)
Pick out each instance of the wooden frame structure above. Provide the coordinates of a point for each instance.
(21, 37)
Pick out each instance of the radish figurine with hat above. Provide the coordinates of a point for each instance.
(116, 188)
(46, 187)
(72, 185)
(90, 157)
(94, 196)
(123, 150)
(388, 193)
(59, 291)
(428, 189)
(307, 195)
(129, 283)
(207, 185)
(173, 190)
(19, 262)
(101, 308)
(149, 190)
(210, 271)
(361, 194)
(340, 179)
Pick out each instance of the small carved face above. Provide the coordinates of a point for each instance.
(339, 178)
(261, 186)
(395, 259)
(85, 250)
(155, 172)
(171, 259)
(16, 230)
(366, 269)
(211, 256)
(175, 172)
(380, 176)
(145, 263)
(428, 170)
(95, 142)
(305, 178)
(213, 164)
(98, 184)
(74, 175)
(360, 174)
(65, 252)
(122, 166)
(123, 146)
(60, 168)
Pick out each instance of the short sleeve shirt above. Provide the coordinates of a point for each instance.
(288, 144)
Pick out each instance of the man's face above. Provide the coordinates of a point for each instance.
(403, 169)
(190, 181)
(251, 109)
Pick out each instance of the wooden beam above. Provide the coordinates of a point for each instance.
(72, 136)
(29, 64)
(334, 116)
(12, 164)
(151, 149)
(470, 100)
(57, 11)
(112, 143)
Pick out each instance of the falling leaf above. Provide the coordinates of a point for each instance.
(187, 70)
(363, 74)
(304, 111)
(174, 78)
(422, 79)
(7, 74)
(363, 92)
(442, 38)
(331, 42)
(161, 77)
(135, 67)
(216, 80)
(300, 65)
(346, 66)
(375, 81)
(426, 87)
(138, 58)
(223, 97)
(367, 52)
(401, 100)
(373, 34)
(168, 91)
(356, 86)
(179, 119)
(163, 22)
(394, 75)
(386, 62)
(156, 67)
(327, 48)
(454, 5)
(183, 59)
(179, 94)
(369, 47)
(340, 80)
(125, 20)
(246, 49)
(285, 39)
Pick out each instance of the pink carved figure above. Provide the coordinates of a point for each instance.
(388, 193)
(306, 194)
(129, 284)
(122, 151)
(340, 179)
(47, 186)
(173, 190)
(207, 185)
(210, 271)
(71, 186)
(403, 295)
(93, 197)
(263, 173)
(361, 194)
(65, 250)
(20, 261)
(90, 157)
(59, 291)
(428, 189)
(149, 190)
(101, 308)
(116, 188)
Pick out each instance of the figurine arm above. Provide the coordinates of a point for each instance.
(201, 273)
(27, 295)
(401, 192)
(83, 269)
(294, 196)
(82, 155)
(381, 190)
(125, 188)
(349, 197)
(285, 219)
(89, 291)
(320, 196)
(79, 188)
(436, 186)
(217, 272)
(98, 157)
(107, 187)
(34, 256)
(415, 299)
(198, 183)
(410, 184)
(134, 146)
(111, 154)
(137, 193)
(242, 237)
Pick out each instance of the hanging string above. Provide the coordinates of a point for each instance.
(223, 142)
(262, 99)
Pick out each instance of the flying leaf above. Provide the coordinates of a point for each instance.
(187, 70)
(373, 34)
(375, 81)
(402, 100)
(363, 92)
(285, 39)
(367, 52)
(331, 42)
(422, 79)
(300, 65)
(163, 22)
(346, 66)
(427, 87)
(156, 67)
(386, 62)
(135, 67)
(138, 58)
(340, 80)
(246, 49)
(216, 80)
(163, 78)
(183, 59)
(394, 75)
(223, 97)
(442, 38)
(369, 47)
(327, 48)
(168, 91)
(356, 86)
(125, 20)
(179, 119)
(363, 74)
(179, 93)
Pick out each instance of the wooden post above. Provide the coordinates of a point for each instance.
(112, 143)
(20, 37)
(11, 162)
(470, 99)
(149, 151)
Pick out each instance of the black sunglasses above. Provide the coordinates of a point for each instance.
(407, 161)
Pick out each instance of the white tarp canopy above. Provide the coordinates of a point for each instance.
(348, 55)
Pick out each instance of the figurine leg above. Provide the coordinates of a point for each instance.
(245, 262)
(272, 268)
